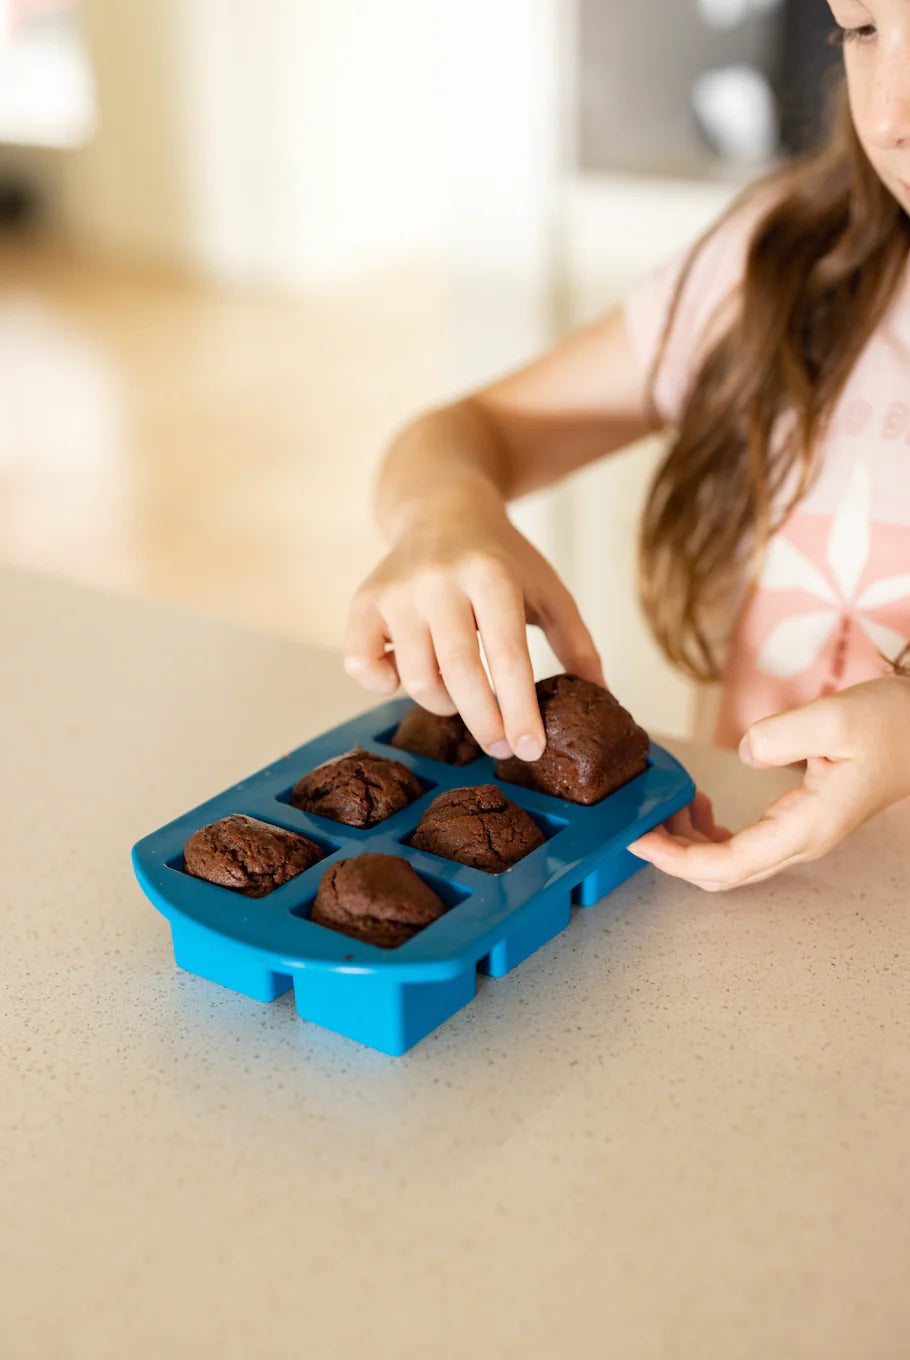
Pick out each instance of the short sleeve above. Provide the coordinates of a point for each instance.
(706, 307)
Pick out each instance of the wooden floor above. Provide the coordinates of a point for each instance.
(161, 436)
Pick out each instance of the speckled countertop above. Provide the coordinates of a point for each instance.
(680, 1131)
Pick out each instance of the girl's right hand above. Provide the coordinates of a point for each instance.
(460, 571)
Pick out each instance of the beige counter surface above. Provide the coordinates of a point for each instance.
(679, 1132)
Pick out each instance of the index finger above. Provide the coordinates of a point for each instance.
(454, 632)
(501, 623)
(780, 837)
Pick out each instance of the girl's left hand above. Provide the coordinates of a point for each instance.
(856, 745)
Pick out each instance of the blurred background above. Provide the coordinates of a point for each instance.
(242, 241)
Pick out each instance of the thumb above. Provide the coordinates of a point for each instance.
(798, 734)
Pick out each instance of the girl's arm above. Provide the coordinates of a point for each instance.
(457, 569)
(856, 745)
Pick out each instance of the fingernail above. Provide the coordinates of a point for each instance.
(500, 749)
(529, 748)
(745, 751)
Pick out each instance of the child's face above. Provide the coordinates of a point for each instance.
(877, 58)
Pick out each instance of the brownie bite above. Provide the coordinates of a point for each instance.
(478, 827)
(247, 855)
(594, 745)
(357, 788)
(376, 898)
(426, 734)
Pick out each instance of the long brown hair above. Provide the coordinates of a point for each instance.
(822, 268)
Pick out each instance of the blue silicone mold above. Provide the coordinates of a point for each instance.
(390, 999)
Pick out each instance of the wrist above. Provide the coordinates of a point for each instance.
(467, 498)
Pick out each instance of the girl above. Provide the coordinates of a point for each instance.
(775, 548)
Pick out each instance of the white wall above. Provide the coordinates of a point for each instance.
(312, 141)
(280, 142)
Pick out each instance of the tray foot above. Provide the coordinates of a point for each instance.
(232, 965)
(531, 933)
(603, 880)
(382, 1014)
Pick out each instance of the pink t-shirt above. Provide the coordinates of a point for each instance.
(834, 590)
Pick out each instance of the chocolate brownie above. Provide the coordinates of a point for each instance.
(250, 856)
(426, 734)
(377, 898)
(594, 745)
(478, 827)
(357, 788)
